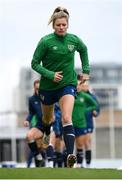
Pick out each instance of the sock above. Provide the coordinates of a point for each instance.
(46, 128)
(80, 156)
(59, 159)
(50, 153)
(30, 158)
(43, 153)
(88, 155)
(65, 157)
(33, 147)
(55, 159)
(68, 133)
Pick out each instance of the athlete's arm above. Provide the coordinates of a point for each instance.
(82, 49)
(39, 54)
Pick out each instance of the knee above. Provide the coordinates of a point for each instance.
(80, 145)
(87, 145)
(29, 136)
(66, 118)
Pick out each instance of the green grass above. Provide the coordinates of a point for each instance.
(59, 173)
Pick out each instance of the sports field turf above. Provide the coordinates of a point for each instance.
(59, 173)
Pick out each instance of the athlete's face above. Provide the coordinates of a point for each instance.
(60, 26)
(85, 87)
(36, 88)
(79, 86)
(82, 86)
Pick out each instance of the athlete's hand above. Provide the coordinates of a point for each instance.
(26, 123)
(94, 113)
(58, 76)
(85, 77)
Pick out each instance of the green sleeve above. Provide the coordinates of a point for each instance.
(91, 103)
(38, 57)
(82, 49)
(34, 121)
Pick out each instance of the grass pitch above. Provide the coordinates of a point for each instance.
(59, 173)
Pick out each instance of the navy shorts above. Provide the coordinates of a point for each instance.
(53, 96)
(80, 131)
(90, 129)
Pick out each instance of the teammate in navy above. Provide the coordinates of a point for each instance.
(34, 121)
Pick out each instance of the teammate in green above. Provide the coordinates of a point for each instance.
(53, 59)
(79, 117)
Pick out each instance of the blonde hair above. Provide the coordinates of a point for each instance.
(59, 12)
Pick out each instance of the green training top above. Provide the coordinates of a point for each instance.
(80, 108)
(56, 53)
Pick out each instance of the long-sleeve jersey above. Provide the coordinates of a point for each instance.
(89, 115)
(56, 53)
(80, 109)
(35, 113)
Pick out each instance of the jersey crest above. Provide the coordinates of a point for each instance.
(71, 47)
(55, 47)
(36, 102)
(81, 99)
